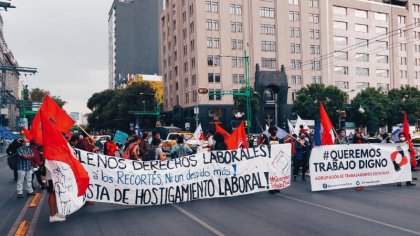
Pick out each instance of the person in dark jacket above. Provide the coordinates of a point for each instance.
(219, 142)
(12, 151)
(300, 159)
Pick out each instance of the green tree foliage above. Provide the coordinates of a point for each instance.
(404, 99)
(38, 95)
(307, 102)
(110, 107)
(376, 106)
(240, 102)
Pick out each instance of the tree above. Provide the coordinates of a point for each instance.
(110, 107)
(404, 99)
(307, 101)
(375, 105)
(38, 95)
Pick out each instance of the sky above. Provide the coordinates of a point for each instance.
(67, 40)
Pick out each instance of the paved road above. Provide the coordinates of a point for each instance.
(381, 210)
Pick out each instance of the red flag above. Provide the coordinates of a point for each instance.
(57, 115)
(27, 134)
(406, 130)
(222, 131)
(327, 132)
(56, 148)
(237, 138)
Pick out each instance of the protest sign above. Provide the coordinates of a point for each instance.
(120, 137)
(347, 166)
(200, 176)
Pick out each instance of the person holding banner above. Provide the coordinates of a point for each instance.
(300, 159)
(402, 139)
(273, 139)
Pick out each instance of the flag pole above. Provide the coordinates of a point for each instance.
(84, 131)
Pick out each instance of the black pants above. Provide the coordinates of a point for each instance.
(15, 174)
(303, 162)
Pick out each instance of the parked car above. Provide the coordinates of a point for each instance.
(171, 139)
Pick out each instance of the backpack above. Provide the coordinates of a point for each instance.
(12, 161)
(128, 151)
(149, 154)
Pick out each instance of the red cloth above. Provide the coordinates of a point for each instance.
(111, 148)
(406, 130)
(237, 139)
(56, 148)
(57, 115)
(27, 134)
(327, 135)
(36, 160)
(222, 131)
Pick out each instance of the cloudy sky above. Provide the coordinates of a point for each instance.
(66, 40)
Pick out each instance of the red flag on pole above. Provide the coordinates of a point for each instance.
(237, 138)
(56, 148)
(222, 131)
(327, 131)
(56, 114)
(406, 130)
(27, 134)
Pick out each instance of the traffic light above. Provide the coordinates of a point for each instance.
(203, 91)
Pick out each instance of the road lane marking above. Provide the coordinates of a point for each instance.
(35, 200)
(198, 220)
(35, 218)
(351, 215)
(19, 218)
(23, 227)
(396, 194)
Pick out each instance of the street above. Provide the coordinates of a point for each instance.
(379, 210)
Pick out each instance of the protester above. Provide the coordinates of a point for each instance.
(24, 169)
(180, 149)
(159, 154)
(263, 140)
(372, 138)
(108, 140)
(403, 139)
(110, 147)
(342, 139)
(273, 139)
(52, 201)
(300, 159)
(133, 149)
(358, 138)
(209, 138)
(86, 144)
(12, 159)
(219, 142)
(155, 135)
(386, 138)
(37, 163)
(302, 130)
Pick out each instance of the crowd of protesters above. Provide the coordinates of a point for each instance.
(26, 159)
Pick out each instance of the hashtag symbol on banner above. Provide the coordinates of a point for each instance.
(326, 155)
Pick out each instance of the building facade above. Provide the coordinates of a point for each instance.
(133, 39)
(351, 44)
(10, 89)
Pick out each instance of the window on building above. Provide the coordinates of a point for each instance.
(237, 62)
(339, 25)
(382, 87)
(381, 16)
(362, 57)
(294, 32)
(361, 71)
(401, 20)
(416, 7)
(314, 34)
(313, 3)
(314, 18)
(342, 84)
(236, 26)
(213, 77)
(268, 46)
(296, 79)
(316, 65)
(403, 61)
(361, 14)
(293, 2)
(362, 85)
(238, 78)
(341, 70)
(215, 94)
(359, 42)
(270, 63)
(296, 64)
(382, 59)
(294, 48)
(267, 29)
(361, 28)
(341, 56)
(382, 44)
(382, 73)
(315, 49)
(403, 47)
(267, 12)
(294, 16)
(316, 79)
(381, 30)
(340, 41)
(340, 10)
(403, 74)
(235, 9)
(213, 60)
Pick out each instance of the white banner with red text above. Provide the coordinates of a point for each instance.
(356, 165)
(200, 176)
